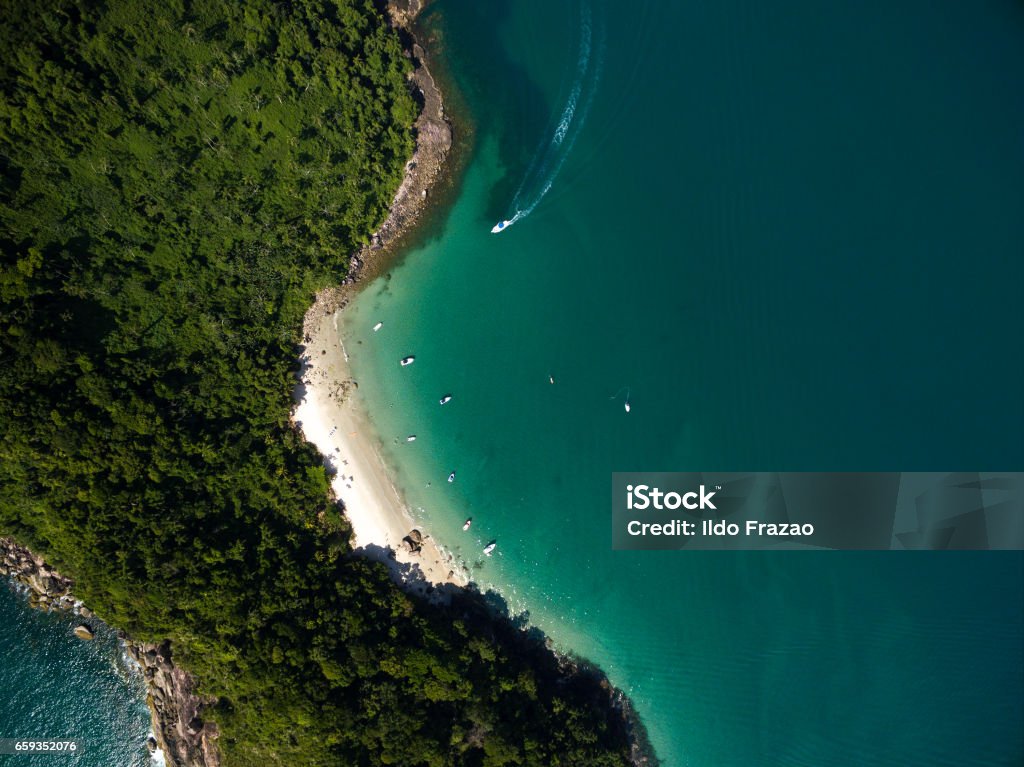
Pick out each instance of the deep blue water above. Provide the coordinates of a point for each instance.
(55, 686)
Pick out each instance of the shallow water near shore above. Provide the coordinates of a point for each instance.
(55, 686)
(791, 236)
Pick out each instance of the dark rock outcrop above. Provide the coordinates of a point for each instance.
(181, 733)
(47, 589)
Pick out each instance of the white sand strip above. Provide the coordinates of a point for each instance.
(329, 418)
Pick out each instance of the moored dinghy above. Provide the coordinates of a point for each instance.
(490, 547)
(446, 399)
(628, 392)
(467, 523)
(408, 360)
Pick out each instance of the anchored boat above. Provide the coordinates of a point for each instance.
(408, 360)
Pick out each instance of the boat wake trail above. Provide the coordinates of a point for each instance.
(552, 153)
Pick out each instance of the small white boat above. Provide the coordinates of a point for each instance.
(551, 379)
(378, 326)
(501, 226)
(411, 438)
(627, 406)
(467, 523)
(446, 399)
(451, 477)
(408, 361)
(490, 547)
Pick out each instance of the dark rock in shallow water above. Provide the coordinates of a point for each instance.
(84, 632)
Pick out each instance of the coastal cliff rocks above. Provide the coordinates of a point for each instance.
(404, 12)
(413, 541)
(47, 589)
(426, 167)
(423, 170)
(433, 143)
(185, 738)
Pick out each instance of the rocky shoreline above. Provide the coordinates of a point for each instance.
(424, 171)
(47, 589)
(175, 709)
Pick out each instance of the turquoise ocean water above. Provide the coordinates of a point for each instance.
(791, 233)
(53, 685)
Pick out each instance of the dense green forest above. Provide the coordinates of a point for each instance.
(178, 178)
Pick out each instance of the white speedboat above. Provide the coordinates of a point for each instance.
(378, 326)
(445, 399)
(408, 361)
(490, 547)
(627, 406)
(411, 438)
(501, 226)
(451, 477)
(467, 523)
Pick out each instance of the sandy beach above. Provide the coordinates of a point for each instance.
(329, 417)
